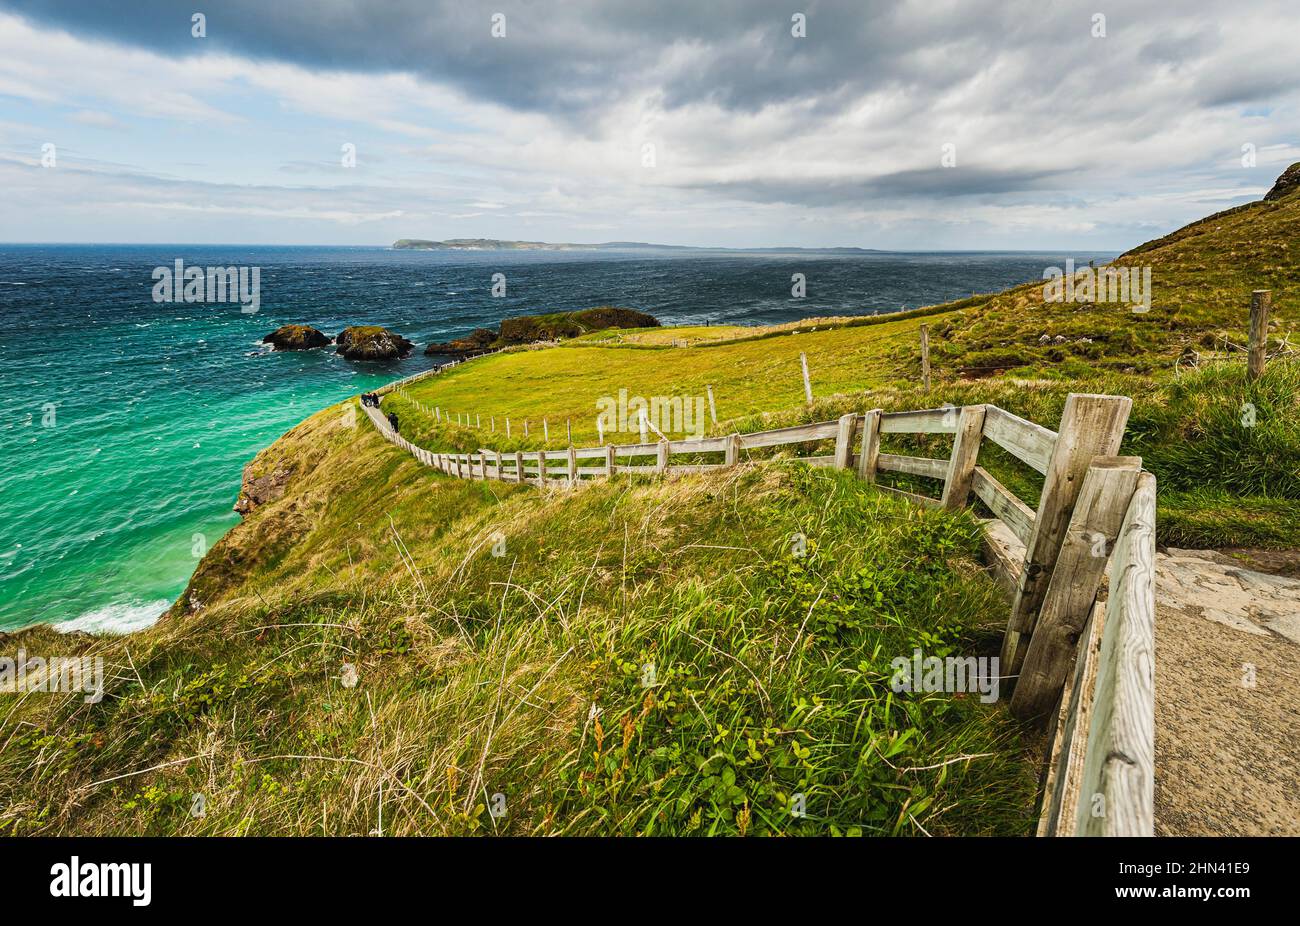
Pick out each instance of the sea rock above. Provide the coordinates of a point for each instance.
(530, 329)
(476, 342)
(371, 342)
(1289, 182)
(296, 337)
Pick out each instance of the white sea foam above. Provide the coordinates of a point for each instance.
(117, 619)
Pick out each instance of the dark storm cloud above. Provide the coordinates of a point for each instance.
(574, 56)
(936, 183)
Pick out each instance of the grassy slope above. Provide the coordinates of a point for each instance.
(1222, 484)
(478, 673)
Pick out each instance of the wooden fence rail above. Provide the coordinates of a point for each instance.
(1085, 669)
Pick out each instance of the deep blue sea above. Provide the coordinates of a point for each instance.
(125, 422)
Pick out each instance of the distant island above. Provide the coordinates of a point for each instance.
(496, 244)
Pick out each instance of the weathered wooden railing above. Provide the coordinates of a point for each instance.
(1095, 510)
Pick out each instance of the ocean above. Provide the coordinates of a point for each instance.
(125, 422)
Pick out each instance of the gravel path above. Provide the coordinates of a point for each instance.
(1227, 696)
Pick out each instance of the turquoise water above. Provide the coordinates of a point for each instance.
(125, 423)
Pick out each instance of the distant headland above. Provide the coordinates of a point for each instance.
(497, 244)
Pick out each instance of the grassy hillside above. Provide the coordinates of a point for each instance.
(651, 656)
(641, 658)
(1222, 482)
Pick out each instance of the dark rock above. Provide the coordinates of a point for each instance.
(477, 341)
(296, 337)
(259, 490)
(1288, 183)
(528, 329)
(371, 342)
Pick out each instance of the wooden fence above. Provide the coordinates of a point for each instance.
(1096, 510)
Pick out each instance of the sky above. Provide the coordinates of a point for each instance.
(1043, 124)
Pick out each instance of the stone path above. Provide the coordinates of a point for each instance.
(1227, 697)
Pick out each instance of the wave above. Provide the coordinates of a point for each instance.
(117, 619)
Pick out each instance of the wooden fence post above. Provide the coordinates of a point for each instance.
(925, 357)
(1072, 590)
(507, 426)
(519, 466)
(661, 465)
(713, 412)
(546, 431)
(807, 383)
(573, 465)
(501, 475)
(1091, 426)
(609, 461)
(541, 467)
(1120, 763)
(870, 452)
(844, 440)
(568, 429)
(1261, 301)
(733, 449)
(965, 453)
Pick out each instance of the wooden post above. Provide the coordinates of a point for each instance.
(541, 467)
(870, 445)
(661, 465)
(494, 424)
(641, 419)
(507, 427)
(568, 430)
(1072, 590)
(807, 383)
(609, 461)
(500, 472)
(525, 427)
(478, 421)
(1261, 301)
(844, 441)
(1120, 762)
(733, 449)
(519, 466)
(965, 452)
(1091, 426)
(546, 431)
(600, 430)
(573, 465)
(925, 357)
(713, 412)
